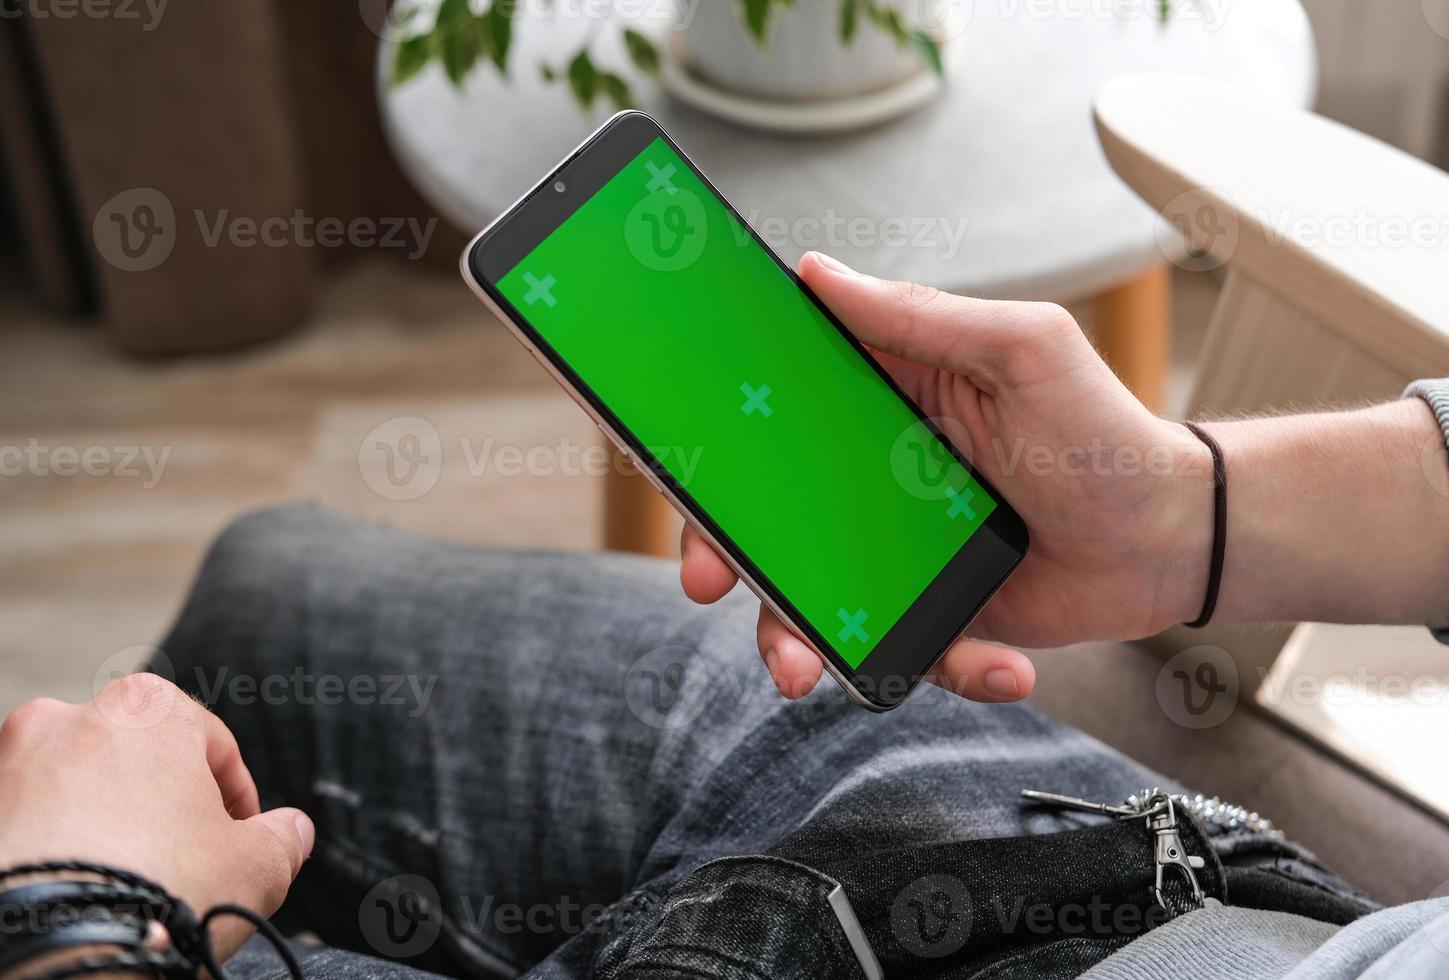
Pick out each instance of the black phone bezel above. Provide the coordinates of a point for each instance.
(896, 666)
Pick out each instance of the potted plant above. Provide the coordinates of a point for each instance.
(785, 49)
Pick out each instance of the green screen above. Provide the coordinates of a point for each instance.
(729, 375)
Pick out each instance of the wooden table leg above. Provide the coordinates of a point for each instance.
(636, 516)
(1132, 327)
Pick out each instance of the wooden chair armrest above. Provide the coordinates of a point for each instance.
(1349, 229)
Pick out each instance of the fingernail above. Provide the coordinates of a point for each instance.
(835, 265)
(1001, 683)
(307, 832)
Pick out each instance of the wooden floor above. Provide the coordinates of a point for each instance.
(95, 565)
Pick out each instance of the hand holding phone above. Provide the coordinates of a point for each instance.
(1119, 501)
(757, 415)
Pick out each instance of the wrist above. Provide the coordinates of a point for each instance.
(1333, 519)
(1181, 540)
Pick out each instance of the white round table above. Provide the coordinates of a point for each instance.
(998, 188)
(1000, 182)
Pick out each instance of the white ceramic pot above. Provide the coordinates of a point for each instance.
(802, 58)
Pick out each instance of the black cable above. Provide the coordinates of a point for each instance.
(264, 929)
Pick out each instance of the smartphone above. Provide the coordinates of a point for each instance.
(732, 388)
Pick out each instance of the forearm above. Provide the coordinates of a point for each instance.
(1337, 517)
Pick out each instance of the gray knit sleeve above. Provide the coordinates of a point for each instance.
(1436, 393)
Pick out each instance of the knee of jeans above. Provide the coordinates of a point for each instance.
(249, 584)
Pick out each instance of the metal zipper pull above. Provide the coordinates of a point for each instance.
(1158, 811)
(1123, 811)
(1168, 852)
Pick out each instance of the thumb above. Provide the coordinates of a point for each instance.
(988, 341)
(281, 840)
(273, 845)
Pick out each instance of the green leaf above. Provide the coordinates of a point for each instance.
(849, 20)
(412, 57)
(462, 44)
(451, 12)
(930, 51)
(757, 16)
(616, 89)
(642, 52)
(1164, 10)
(889, 20)
(500, 22)
(456, 39)
(583, 79)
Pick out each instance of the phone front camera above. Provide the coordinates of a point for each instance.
(560, 187)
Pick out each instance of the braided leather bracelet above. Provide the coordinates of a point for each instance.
(113, 914)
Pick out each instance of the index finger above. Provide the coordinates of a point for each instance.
(223, 756)
(706, 576)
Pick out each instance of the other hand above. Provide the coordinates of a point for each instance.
(146, 780)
